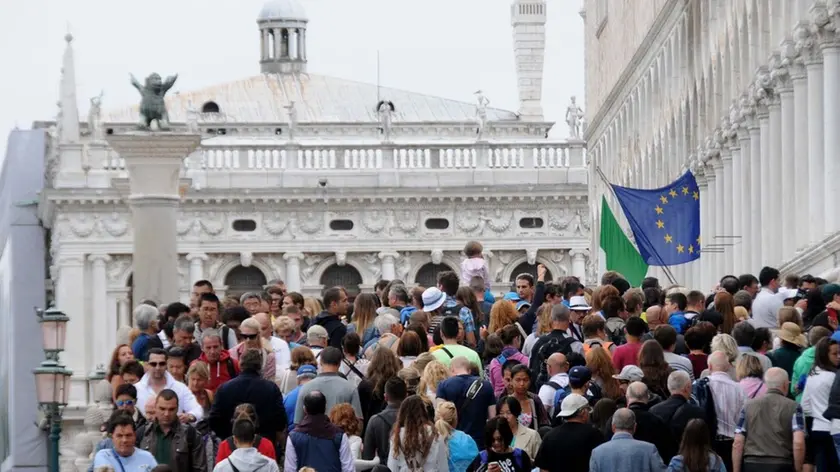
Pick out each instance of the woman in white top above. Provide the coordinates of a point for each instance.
(524, 437)
(415, 444)
(820, 449)
(543, 327)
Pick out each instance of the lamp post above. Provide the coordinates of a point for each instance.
(51, 378)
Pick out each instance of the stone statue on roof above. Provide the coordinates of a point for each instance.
(385, 109)
(152, 106)
(481, 113)
(574, 118)
(293, 119)
(192, 118)
(95, 117)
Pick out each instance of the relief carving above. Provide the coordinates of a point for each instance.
(499, 221)
(560, 221)
(212, 223)
(215, 263)
(471, 222)
(375, 221)
(372, 262)
(278, 222)
(407, 221)
(403, 266)
(115, 224)
(116, 268)
(504, 258)
(310, 223)
(310, 263)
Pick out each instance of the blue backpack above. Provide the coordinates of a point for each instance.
(517, 457)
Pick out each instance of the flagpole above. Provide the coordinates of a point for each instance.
(665, 268)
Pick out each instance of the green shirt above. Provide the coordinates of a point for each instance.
(801, 368)
(457, 350)
(163, 445)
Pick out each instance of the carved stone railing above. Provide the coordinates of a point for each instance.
(263, 157)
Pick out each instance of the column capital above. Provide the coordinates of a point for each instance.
(196, 256)
(579, 253)
(386, 254)
(71, 259)
(290, 256)
(99, 257)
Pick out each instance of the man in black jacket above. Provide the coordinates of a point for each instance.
(250, 387)
(649, 427)
(335, 306)
(676, 411)
(378, 433)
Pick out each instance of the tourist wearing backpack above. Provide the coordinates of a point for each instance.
(512, 340)
(595, 334)
(615, 312)
(558, 340)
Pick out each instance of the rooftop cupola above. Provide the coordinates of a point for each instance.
(282, 26)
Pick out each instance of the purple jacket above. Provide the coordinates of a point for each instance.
(496, 377)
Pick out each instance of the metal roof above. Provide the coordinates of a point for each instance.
(318, 99)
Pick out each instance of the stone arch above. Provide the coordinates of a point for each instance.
(554, 269)
(347, 276)
(250, 278)
(368, 277)
(427, 273)
(218, 279)
(453, 263)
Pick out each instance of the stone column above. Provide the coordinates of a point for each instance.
(718, 208)
(579, 263)
(123, 310)
(787, 169)
(766, 188)
(800, 157)
(734, 220)
(755, 195)
(196, 260)
(705, 257)
(293, 282)
(725, 204)
(69, 295)
(773, 205)
(154, 162)
(104, 327)
(278, 40)
(708, 240)
(816, 150)
(743, 225)
(262, 45)
(389, 271)
(831, 156)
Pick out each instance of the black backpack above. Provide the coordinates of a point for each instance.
(453, 310)
(232, 446)
(551, 345)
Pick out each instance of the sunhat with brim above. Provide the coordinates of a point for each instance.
(578, 303)
(792, 333)
(572, 404)
(433, 298)
(630, 373)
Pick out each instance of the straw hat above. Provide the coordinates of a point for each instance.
(792, 333)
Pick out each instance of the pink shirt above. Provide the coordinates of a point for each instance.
(626, 354)
(475, 266)
(496, 374)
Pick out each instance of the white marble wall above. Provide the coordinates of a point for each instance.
(746, 94)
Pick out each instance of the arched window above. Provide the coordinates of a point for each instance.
(210, 107)
(342, 276)
(244, 279)
(428, 274)
(528, 269)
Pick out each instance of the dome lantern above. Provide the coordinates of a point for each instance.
(282, 25)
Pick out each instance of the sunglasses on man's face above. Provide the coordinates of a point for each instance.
(122, 403)
(250, 336)
(157, 364)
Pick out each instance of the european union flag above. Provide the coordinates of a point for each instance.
(665, 221)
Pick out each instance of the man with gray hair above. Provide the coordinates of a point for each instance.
(317, 339)
(649, 427)
(146, 320)
(389, 329)
(676, 411)
(558, 340)
(770, 435)
(623, 452)
(727, 398)
(251, 301)
(183, 331)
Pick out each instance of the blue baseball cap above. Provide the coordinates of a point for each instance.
(836, 336)
(522, 303)
(512, 296)
(307, 370)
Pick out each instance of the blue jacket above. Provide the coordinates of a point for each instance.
(323, 455)
(678, 321)
(625, 454)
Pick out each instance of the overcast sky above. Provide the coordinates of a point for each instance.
(448, 48)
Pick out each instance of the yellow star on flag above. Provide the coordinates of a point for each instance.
(673, 193)
(695, 195)
(660, 224)
(663, 199)
(691, 249)
(668, 238)
(680, 248)
(685, 190)
(658, 210)
(698, 240)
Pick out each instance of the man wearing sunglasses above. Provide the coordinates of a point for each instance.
(158, 379)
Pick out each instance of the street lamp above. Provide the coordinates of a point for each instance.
(52, 380)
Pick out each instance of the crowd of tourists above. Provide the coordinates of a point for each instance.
(552, 375)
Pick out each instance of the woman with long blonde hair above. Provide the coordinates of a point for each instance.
(433, 374)
(415, 444)
(364, 312)
(598, 362)
(312, 307)
(543, 327)
(462, 447)
(250, 332)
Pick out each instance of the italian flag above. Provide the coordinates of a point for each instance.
(617, 251)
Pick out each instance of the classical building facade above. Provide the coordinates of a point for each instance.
(745, 93)
(316, 181)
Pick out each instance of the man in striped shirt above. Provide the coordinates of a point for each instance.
(728, 398)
